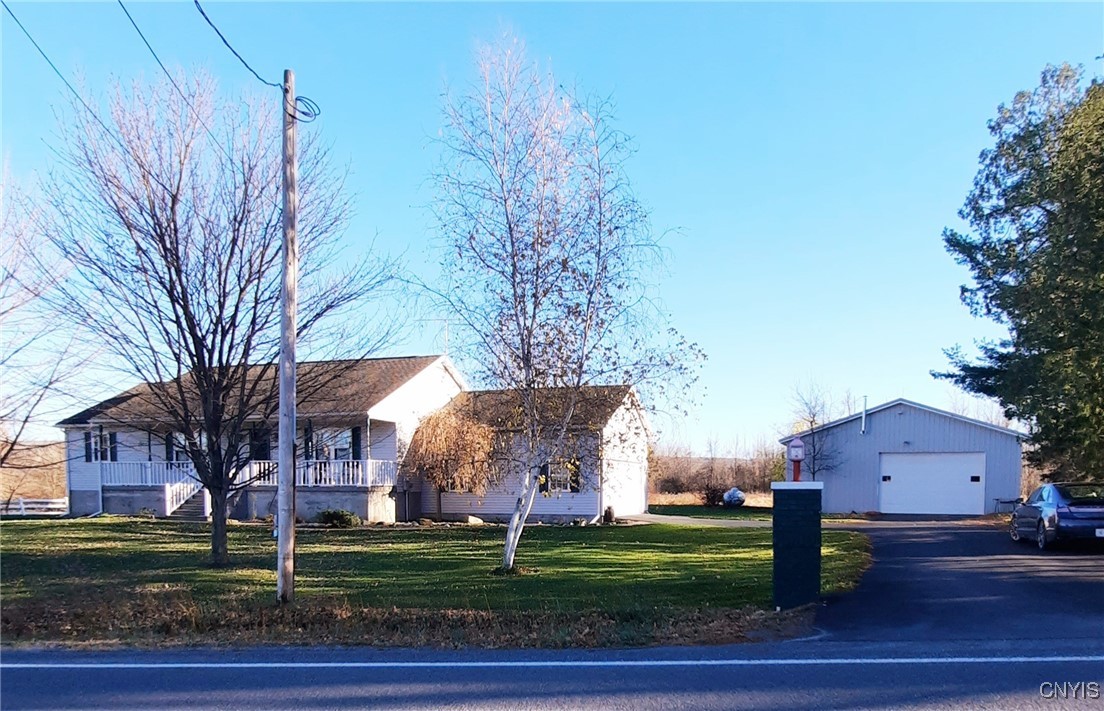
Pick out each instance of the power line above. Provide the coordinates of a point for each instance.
(107, 131)
(175, 85)
(62, 77)
(92, 112)
(231, 48)
(304, 109)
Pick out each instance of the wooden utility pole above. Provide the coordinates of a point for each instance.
(285, 520)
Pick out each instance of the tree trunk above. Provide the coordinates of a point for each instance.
(517, 523)
(220, 553)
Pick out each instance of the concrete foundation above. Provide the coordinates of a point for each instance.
(84, 503)
(130, 500)
(371, 504)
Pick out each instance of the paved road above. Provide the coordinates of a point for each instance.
(795, 675)
(950, 616)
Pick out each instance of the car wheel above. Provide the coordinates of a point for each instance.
(1014, 531)
(1041, 537)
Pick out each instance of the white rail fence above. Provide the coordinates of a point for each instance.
(35, 507)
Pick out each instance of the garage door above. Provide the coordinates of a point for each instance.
(933, 483)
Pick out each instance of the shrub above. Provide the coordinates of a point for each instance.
(712, 494)
(339, 518)
(671, 485)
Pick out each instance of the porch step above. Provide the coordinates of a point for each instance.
(190, 510)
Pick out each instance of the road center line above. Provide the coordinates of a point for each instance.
(538, 664)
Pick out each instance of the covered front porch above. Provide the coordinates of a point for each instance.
(363, 486)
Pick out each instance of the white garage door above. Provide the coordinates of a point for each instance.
(933, 483)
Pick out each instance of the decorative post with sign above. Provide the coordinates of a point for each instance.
(796, 535)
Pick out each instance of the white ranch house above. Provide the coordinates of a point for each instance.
(352, 435)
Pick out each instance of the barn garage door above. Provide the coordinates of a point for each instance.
(933, 483)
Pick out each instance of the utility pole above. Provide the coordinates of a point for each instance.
(285, 521)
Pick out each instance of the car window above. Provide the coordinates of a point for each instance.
(1036, 496)
(1081, 491)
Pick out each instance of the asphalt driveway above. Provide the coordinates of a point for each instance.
(964, 581)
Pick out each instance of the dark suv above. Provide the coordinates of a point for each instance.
(1057, 512)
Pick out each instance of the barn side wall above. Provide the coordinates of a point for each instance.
(854, 483)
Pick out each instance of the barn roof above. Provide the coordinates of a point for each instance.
(902, 401)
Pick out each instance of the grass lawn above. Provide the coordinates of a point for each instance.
(749, 513)
(148, 581)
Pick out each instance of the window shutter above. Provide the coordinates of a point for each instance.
(544, 479)
(112, 447)
(259, 443)
(356, 443)
(575, 480)
(168, 447)
(88, 446)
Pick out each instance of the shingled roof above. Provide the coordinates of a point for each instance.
(351, 386)
(501, 409)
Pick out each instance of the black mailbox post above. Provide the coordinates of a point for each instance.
(796, 530)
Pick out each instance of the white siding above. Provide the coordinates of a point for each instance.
(499, 501)
(382, 441)
(83, 476)
(130, 446)
(625, 462)
(425, 393)
(854, 484)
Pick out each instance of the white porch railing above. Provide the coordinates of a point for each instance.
(176, 494)
(180, 481)
(311, 473)
(145, 473)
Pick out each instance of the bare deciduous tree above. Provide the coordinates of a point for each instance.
(35, 362)
(168, 214)
(812, 410)
(550, 255)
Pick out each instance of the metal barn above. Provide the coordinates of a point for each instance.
(906, 458)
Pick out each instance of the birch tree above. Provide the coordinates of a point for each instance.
(168, 215)
(550, 258)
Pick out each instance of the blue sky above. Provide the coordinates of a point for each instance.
(804, 159)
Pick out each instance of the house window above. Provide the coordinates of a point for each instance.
(333, 444)
(564, 477)
(260, 443)
(100, 446)
(176, 446)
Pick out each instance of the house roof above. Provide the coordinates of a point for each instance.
(910, 403)
(500, 409)
(339, 387)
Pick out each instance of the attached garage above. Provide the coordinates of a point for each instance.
(906, 458)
